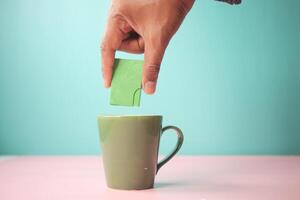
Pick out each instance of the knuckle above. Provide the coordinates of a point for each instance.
(106, 70)
(152, 72)
(104, 46)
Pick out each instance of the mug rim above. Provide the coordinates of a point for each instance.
(128, 116)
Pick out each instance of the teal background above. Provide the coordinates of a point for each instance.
(230, 78)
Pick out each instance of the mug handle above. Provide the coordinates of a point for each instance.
(177, 147)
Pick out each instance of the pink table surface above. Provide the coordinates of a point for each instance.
(184, 177)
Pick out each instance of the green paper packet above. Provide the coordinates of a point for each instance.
(126, 82)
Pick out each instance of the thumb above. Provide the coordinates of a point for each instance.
(154, 53)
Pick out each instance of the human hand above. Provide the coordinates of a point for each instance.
(141, 26)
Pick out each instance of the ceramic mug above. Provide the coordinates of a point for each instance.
(130, 147)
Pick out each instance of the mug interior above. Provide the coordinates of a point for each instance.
(128, 116)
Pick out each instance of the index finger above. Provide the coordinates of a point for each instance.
(111, 42)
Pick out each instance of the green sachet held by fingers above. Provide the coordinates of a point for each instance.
(126, 83)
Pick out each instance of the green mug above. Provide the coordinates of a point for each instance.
(130, 147)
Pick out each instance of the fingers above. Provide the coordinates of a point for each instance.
(134, 45)
(108, 56)
(154, 52)
(112, 40)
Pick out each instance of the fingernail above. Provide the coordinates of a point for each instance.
(150, 87)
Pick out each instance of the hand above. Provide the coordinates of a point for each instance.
(141, 26)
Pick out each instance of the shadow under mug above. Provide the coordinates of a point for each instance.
(130, 147)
